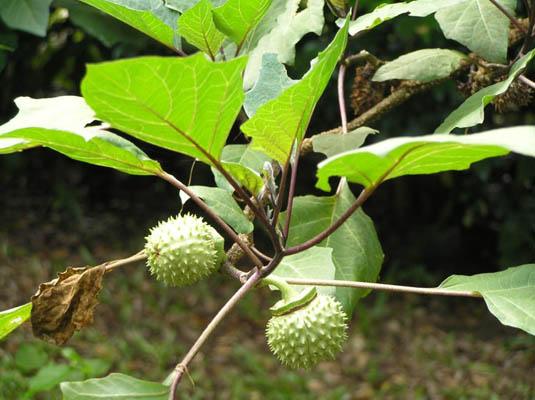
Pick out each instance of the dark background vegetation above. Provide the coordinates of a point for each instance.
(57, 212)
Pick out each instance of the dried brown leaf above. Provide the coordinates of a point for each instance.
(66, 304)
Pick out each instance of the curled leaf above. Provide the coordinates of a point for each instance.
(66, 303)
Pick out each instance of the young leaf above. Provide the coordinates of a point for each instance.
(183, 104)
(198, 28)
(280, 122)
(509, 294)
(421, 155)
(471, 112)
(385, 12)
(114, 386)
(14, 317)
(26, 15)
(480, 26)
(331, 145)
(238, 18)
(223, 204)
(244, 164)
(150, 17)
(272, 80)
(422, 65)
(314, 263)
(357, 253)
(279, 31)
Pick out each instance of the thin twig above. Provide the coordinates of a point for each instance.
(175, 182)
(291, 195)
(280, 199)
(111, 265)
(181, 368)
(355, 10)
(381, 286)
(341, 99)
(527, 81)
(508, 15)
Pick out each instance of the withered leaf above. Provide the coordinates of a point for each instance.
(66, 303)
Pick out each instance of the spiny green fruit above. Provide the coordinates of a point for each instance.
(183, 250)
(308, 335)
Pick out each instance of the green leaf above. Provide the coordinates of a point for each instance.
(183, 5)
(272, 81)
(280, 122)
(26, 15)
(385, 12)
(14, 317)
(284, 24)
(223, 204)
(238, 18)
(48, 377)
(509, 294)
(357, 253)
(150, 17)
(314, 263)
(471, 112)
(186, 105)
(331, 145)
(30, 357)
(198, 28)
(114, 386)
(102, 26)
(421, 155)
(58, 123)
(244, 164)
(478, 25)
(422, 65)
(92, 146)
(62, 113)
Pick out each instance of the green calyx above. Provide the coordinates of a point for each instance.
(183, 250)
(306, 328)
(291, 299)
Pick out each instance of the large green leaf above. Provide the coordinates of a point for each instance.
(471, 112)
(385, 12)
(198, 28)
(422, 65)
(183, 104)
(284, 24)
(114, 386)
(391, 158)
(479, 25)
(238, 18)
(149, 17)
(280, 122)
(58, 123)
(357, 253)
(272, 80)
(313, 263)
(27, 15)
(14, 317)
(223, 204)
(509, 294)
